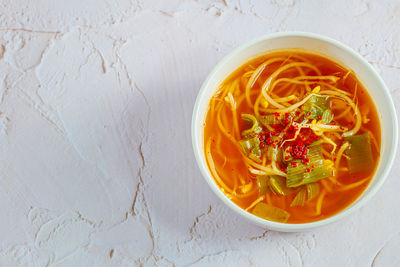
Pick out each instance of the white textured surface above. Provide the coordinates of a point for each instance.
(96, 161)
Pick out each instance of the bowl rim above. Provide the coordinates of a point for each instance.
(196, 130)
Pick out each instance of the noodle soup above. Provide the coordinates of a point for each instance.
(292, 136)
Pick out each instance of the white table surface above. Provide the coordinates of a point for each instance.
(96, 162)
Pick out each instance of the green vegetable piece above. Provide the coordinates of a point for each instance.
(254, 129)
(359, 153)
(312, 190)
(270, 119)
(315, 152)
(327, 116)
(271, 213)
(277, 185)
(299, 199)
(316, 143)
(316, 106)
(300, 174)
(251, 146)
(274, 119)
(273, 151)
(263, 184)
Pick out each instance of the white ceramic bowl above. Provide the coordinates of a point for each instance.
(367, 75)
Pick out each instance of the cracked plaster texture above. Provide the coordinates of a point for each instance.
(96, 162)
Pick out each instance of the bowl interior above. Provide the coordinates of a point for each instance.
(366, 74)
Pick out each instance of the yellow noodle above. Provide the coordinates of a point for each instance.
(213, 170)
(340, 153)
(255, 202)
(353, 185)
(319, 202)
(255, 76)
(355, 108)
(264, 168)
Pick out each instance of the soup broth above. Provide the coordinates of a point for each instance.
(292, 136)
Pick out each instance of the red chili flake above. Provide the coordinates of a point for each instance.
(283, 169)
(262, 145)
(308, 170)
(261, 136)
(273, 145)
(287, 157)
(276, 114)
(319, 117)
(341, 128)
(312, 166)
(294, 163)
(213, 140)
(287, 115)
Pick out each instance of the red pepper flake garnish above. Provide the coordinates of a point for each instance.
(294, 163)
(262, 145)
(308, 170)
(319, 117)
(312, 166)
(341, 128)
(287, 157)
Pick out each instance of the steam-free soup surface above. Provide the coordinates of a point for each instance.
(292, 136)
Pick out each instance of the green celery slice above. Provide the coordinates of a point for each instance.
(251, 146)
(299, 199)
(254, 129)
(271, 213)
(315, 106)
(274, 119)
(327, 116)
(271, 119)
(312, 190)
(316, 143)
(315, 152)
(359, 153)
(273, 152)
(277, 185)
(263, 184)
(299, 175)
